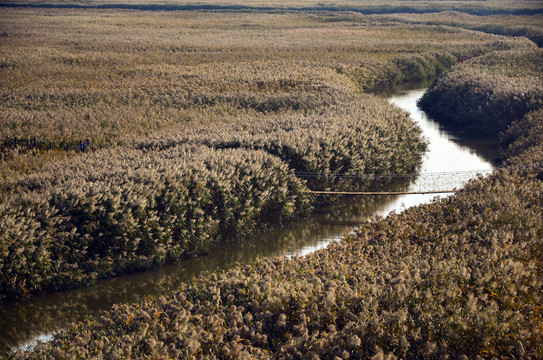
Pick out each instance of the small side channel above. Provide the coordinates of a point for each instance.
(449, 163)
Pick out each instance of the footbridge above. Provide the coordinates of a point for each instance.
(413, 183)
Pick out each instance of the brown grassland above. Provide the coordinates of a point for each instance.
(204, 116)
(140, 83)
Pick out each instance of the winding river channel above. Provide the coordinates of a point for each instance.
(448, 164)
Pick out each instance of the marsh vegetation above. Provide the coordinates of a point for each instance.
(206, 116)
(148, 85)
(486, 94)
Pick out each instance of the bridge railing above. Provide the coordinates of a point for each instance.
(414, 183)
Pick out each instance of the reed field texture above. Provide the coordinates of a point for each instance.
(147, 86)
(459, 277)
(529, 26)
(205, 116)
(486, 94)
(69, 75)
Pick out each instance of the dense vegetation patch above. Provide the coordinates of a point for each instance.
(524, 134)
(120, 211)
(529, 25)
(112, 77)
(357, 134)
(486, 94)
(200, 117)
(404, 69)
(110, 212)
(278, 83)
(459, 277)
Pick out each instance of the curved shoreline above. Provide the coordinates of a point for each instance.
(468, 263)
(165, 276)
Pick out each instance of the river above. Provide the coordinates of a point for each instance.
(448, 164)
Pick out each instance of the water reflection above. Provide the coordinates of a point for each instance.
(42, 315)
(449, 163)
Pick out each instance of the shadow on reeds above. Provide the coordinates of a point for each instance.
(44, 314)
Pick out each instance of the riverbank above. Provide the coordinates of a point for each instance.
(460, 276)
(191, 125)
(24, 321)
(486, 95)
(376, 303)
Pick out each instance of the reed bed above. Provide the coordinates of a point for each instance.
(487, 94)
(164, 83)
(162, 95)
(115, 76)
(529, 25)
(524, 134)
(115, 211)
(357, 134)
(120, 211)
(459, 277)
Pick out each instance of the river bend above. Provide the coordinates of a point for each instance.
(448, 164)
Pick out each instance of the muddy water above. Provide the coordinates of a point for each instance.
(447, 165)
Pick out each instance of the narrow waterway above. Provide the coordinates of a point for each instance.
(449, 163)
